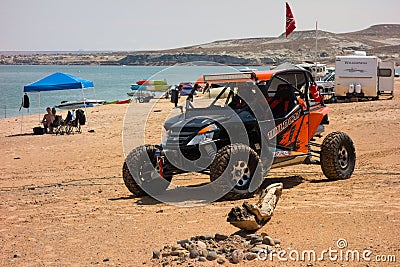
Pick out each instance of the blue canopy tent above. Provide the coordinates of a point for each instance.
(56, 82)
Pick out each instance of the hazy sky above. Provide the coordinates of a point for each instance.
(157, 24)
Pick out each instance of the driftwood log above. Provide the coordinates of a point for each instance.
(254, 216)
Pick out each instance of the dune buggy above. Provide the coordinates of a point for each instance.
(278, 113)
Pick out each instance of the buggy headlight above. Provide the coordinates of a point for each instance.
(165, 138)
(204, 135)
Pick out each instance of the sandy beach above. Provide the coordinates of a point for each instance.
(63, 201)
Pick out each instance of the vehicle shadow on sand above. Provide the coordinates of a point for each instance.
(20, 134)
(289, 182)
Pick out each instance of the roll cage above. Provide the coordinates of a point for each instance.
(271, 83)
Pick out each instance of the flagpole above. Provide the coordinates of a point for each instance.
(316, 40)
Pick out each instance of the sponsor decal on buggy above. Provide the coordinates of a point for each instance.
(279, 128)
(279, 154)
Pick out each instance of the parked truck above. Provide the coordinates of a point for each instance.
(327, 87)
(363, 77)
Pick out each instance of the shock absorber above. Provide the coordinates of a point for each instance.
(210, 150)
(160, 162)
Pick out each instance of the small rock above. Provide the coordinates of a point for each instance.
(206, 237)
(250, 256)
(263, 234)
(220, 236)
(250, 236)
(258, 248)
(17, 255)
(271, 249)
(194, 253)
(277, 241)
(166, 254)
(156, 254)
(201, 244)
(221, 261)
(212, 255)
(165, 263)
(186, 246)
(203, 252)
(184, 241)
(256, 240)
(268, 241)
(237, 237)
(202, 258)
(224, 251)
(180, 253)
(106, 259)
(176, 247)
(237, 256)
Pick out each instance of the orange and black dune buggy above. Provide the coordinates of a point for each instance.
(258, 120)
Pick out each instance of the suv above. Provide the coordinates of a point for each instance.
(259, 119)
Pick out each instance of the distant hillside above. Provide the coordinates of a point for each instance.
(381, 40)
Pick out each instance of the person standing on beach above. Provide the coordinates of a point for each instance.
(48, 120)
(54, 111)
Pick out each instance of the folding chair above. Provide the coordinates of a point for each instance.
(74, 126)
(63, 127)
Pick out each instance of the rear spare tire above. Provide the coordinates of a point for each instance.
(338, 156)
(237, 166)
(140, 174)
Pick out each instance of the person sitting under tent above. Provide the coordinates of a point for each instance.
(48, 120)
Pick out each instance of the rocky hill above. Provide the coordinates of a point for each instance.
(381, 40)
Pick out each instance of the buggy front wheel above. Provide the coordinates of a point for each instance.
(140, 174)
(236, 169)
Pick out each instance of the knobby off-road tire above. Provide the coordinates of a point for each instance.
(142, 162)
(232, 162)
(338, 156)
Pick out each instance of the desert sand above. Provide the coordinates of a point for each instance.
(63, 201)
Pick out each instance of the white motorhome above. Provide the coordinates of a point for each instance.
(363, 76)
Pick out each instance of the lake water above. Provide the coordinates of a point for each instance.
(111, 83)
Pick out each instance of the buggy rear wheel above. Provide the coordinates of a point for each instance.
(236, 166)
(140, 174)
(338, 156)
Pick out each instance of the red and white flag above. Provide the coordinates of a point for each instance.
(290, 22)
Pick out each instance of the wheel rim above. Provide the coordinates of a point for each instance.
(343, 157)
(147, 171)
(241, 173)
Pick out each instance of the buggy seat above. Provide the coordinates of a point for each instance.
(283, 101)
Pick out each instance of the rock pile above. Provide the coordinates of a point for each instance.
(218, 248)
